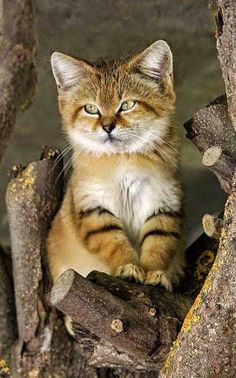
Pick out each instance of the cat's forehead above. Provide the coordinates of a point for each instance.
(109, 86)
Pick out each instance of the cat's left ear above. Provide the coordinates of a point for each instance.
(155, 62)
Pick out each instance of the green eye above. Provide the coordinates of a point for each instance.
(91, 109)
(127, 105)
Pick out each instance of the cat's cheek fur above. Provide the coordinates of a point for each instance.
(140, 138)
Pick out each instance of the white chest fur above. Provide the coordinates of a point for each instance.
(132, 194)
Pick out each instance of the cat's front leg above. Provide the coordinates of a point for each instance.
(103, 235)
(161, 248)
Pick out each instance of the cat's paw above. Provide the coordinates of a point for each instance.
(158, 277)
(131, 273)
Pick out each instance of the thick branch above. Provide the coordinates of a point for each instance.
(221, 164)
(17, 72)
(132, 318)
(31, 204)
(123, 324)
(205, 345)
(212, 132)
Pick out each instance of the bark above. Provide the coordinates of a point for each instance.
(140, 322)
(205, 347)
(31, 204)
(43, 347)
(226, 47)
(212, 132)
(17, 72)
(8, 331)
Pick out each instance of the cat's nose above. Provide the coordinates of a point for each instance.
(109, 128)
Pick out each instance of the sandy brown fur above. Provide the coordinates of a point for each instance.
(104, 232)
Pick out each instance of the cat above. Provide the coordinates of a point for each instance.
(123, 208)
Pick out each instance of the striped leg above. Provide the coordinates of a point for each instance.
(161, 242)
(103, 235)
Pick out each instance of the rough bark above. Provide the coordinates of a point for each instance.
(17, 72)
(43, 347)
(206, 346)
(8, 331)
(212, 132)
(226, 47)
(141, 322)
(31, 204)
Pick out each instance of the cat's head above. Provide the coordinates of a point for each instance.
(118, 106)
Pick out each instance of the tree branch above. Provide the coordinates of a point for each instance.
(17, 51)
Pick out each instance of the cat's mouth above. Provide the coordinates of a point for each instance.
(111, 139)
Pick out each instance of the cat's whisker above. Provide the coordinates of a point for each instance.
(64, 152)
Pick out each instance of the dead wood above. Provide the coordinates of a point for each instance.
(212, 225)
(31, 204)
(17, 72)
(32, 201)
(122, 324)
(205, 346)
(137, 320)
(212, 132)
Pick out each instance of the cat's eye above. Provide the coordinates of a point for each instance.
(91, 109)
(127, 105)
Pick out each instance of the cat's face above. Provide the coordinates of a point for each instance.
(118, 106)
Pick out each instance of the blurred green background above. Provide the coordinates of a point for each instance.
(93, 29)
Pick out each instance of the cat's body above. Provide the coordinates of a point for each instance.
(122, 211)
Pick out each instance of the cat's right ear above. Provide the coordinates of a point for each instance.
(68, 71)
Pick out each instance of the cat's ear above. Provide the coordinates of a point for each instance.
(68, 71)
(155, 62)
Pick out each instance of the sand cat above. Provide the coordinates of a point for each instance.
(122, 211)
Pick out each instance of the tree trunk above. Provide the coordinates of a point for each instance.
(17, 72)
(205, 346)
(226, 46)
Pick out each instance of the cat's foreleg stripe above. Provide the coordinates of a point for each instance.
(161, 233)
(100, 210)
(106, 228)
(171, 214)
